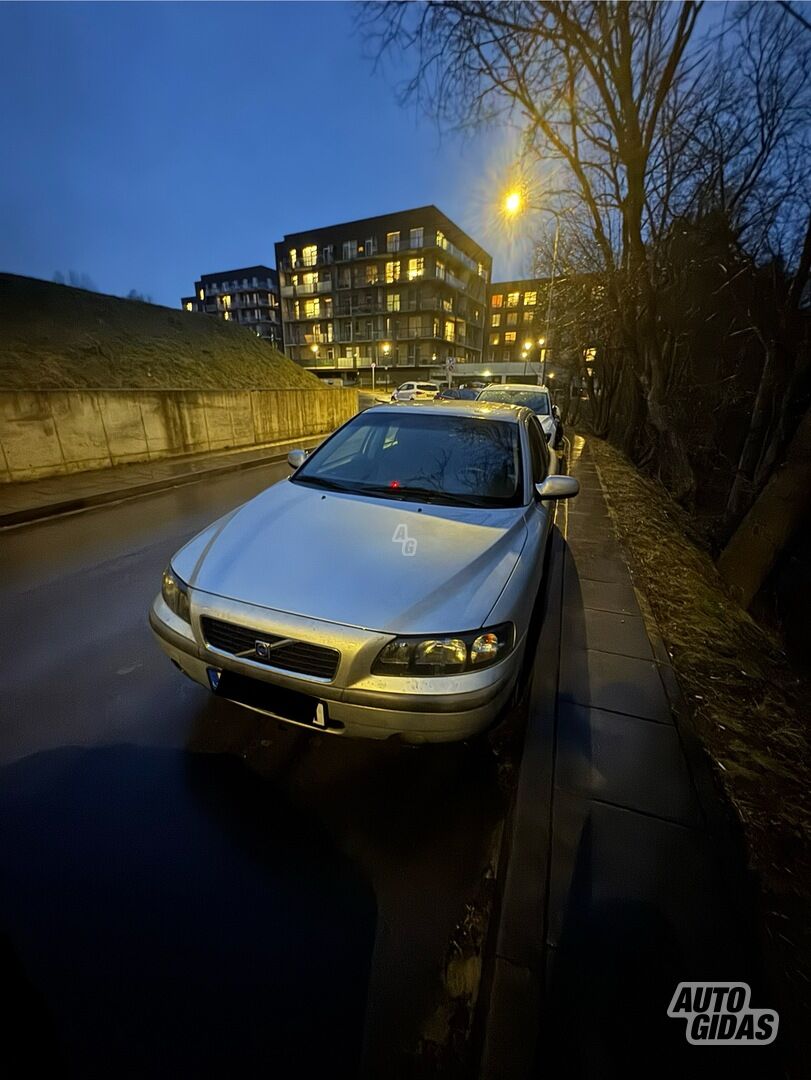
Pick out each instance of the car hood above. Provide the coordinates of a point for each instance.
(344, 559)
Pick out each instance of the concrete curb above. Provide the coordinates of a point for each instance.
(44, 511)
(512, 984)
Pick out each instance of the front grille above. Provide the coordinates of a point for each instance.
(301, 657)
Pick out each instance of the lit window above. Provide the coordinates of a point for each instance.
(393, 301)
(509, 337)
(188, 305)
(512, 299)
(495, 320)
(226, 301)
(497, 300)
(309, 255)
(393, 241)
(528, 316)
(415, 240)
(482, 270)
(293, 256)
(441, 241)
(416, 268)
(312, 309)
(440, 270)
(450, 330)
(512, 318)
(494, 339)
(392, 271)
(372, 274)
(202, 295)
(227, 316)
(309, 279)
(447, 303)
(530, 299)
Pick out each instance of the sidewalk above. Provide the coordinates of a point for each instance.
(622, 878)
(36, 499)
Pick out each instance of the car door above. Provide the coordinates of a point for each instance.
(540, 511)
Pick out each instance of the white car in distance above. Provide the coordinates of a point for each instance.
(416, 391)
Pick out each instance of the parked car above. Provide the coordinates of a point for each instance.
(416, 391)
(536, 398)
(386, 587)
(457, 393)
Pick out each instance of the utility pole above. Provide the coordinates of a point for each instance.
(549, 301)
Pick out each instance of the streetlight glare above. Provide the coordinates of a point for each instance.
(512, 203)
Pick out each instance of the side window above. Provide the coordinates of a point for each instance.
(538, 450)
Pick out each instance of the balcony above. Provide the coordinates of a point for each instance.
(458, 254)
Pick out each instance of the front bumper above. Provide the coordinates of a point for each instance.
(417, 710)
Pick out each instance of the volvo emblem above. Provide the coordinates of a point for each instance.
(263, 649)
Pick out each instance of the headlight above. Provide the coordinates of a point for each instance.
(446, 655)
(176, 594)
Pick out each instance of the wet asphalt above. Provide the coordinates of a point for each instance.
(187, 888)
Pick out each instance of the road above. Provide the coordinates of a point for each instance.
(185, 887)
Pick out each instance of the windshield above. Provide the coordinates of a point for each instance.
(427, 456)
(537, 400)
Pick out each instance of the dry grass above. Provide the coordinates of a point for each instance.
(750, 709)
(53, 337)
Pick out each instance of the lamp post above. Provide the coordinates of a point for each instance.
(514, 204)
(386, 349)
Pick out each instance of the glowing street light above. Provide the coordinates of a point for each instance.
(512, 202)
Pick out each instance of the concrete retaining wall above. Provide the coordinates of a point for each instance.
(47, 432)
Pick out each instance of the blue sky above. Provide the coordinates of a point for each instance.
(145, 144)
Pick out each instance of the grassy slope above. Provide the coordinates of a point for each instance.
(750, 708)
(56, 337)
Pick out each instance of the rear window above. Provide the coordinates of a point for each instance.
(536, 400)
(427, 386)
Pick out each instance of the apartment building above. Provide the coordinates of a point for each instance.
(403, 292)
(248, 296)
(514, 319)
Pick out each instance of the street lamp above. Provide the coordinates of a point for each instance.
(386, 349)
(514, 204)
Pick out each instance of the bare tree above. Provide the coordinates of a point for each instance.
(592, 84)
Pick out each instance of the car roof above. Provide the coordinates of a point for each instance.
(516, 386)
(491, 410)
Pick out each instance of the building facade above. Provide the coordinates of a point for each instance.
(248, 296)
(404, 293)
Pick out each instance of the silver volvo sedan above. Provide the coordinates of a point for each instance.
(386, 587)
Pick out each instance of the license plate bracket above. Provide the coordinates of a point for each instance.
(276, 701)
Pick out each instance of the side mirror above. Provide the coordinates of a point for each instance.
(296, 458)
(558, 487)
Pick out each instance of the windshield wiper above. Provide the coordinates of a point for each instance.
(427, 495)
(322, 482)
